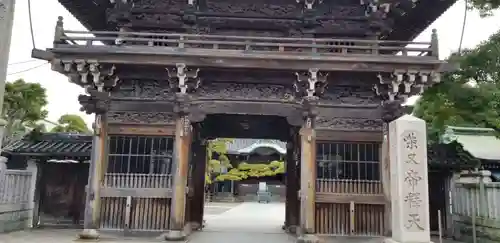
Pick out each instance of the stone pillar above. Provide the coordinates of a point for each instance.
(96, 174)
(179, 191)
(409, 181)
(33, 168)
(199, 160)
(307, 181)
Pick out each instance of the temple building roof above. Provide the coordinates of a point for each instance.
(482, 143)
(406, 24)
(247, 146)
(53, 145)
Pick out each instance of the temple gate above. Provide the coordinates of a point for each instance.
(163, 77)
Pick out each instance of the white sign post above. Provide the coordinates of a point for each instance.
(409, 182)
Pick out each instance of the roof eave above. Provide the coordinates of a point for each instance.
(409, 26)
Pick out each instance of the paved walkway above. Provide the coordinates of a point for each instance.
(225, 223)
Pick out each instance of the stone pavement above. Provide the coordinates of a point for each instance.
(226, 223)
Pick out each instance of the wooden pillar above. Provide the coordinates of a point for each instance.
(179, 191)
(292, 186)
(96, 175)
(308, 177)
(199, 162)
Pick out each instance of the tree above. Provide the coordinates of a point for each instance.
(219, 166)
(468, 97)
(485, 7)
(72, 124)
(24, 106)
(218, 148)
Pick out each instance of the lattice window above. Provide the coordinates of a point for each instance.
(140, 154)
(348, 161)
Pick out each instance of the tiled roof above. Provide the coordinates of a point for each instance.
(481, 143)
(238, 146)
(52, 145)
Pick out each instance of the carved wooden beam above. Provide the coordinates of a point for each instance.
(381, 8)
(88, 73)
(310, 84)
(309, 4)
(120, 14)
(392, 110)
(97, 79)
(182, 79)
(401, 84)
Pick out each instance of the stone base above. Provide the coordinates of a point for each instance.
(291, 229)
(308, 238)
(195, 226)
(390, 240)
(174, 235)
(89, 234)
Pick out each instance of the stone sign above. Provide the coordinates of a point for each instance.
(409, 182)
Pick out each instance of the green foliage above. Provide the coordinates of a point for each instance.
(24, 105)
(216, 147)
(72, 124)
(467, 97)
(246, 170)
(485, 7)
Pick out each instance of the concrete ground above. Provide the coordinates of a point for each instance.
(225, 223)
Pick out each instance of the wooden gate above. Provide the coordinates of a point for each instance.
(437, 198)
(62, 200)
(349, 196)
(136, 193)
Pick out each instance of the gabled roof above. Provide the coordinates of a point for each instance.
(52, 145)
(246, 146)
(482, 143)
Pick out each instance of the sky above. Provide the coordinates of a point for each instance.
(62, 95)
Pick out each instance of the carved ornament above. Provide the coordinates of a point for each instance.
(244, 91)
(95, 102)
(340, 123)
(381, 8)
(310, 84)
(351, 95)
(392, 110)
(120, 13)
(183, 79)
(88, 73)
(277, 18)
(253, 8)
(309, 4)
(401, 84)
(147, 89)
(149, 118)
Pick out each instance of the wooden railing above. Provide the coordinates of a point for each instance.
(124, 180)
(348, 186)
(249, 44)
(469, 199)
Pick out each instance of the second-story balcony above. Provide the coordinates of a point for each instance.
(142, 48)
